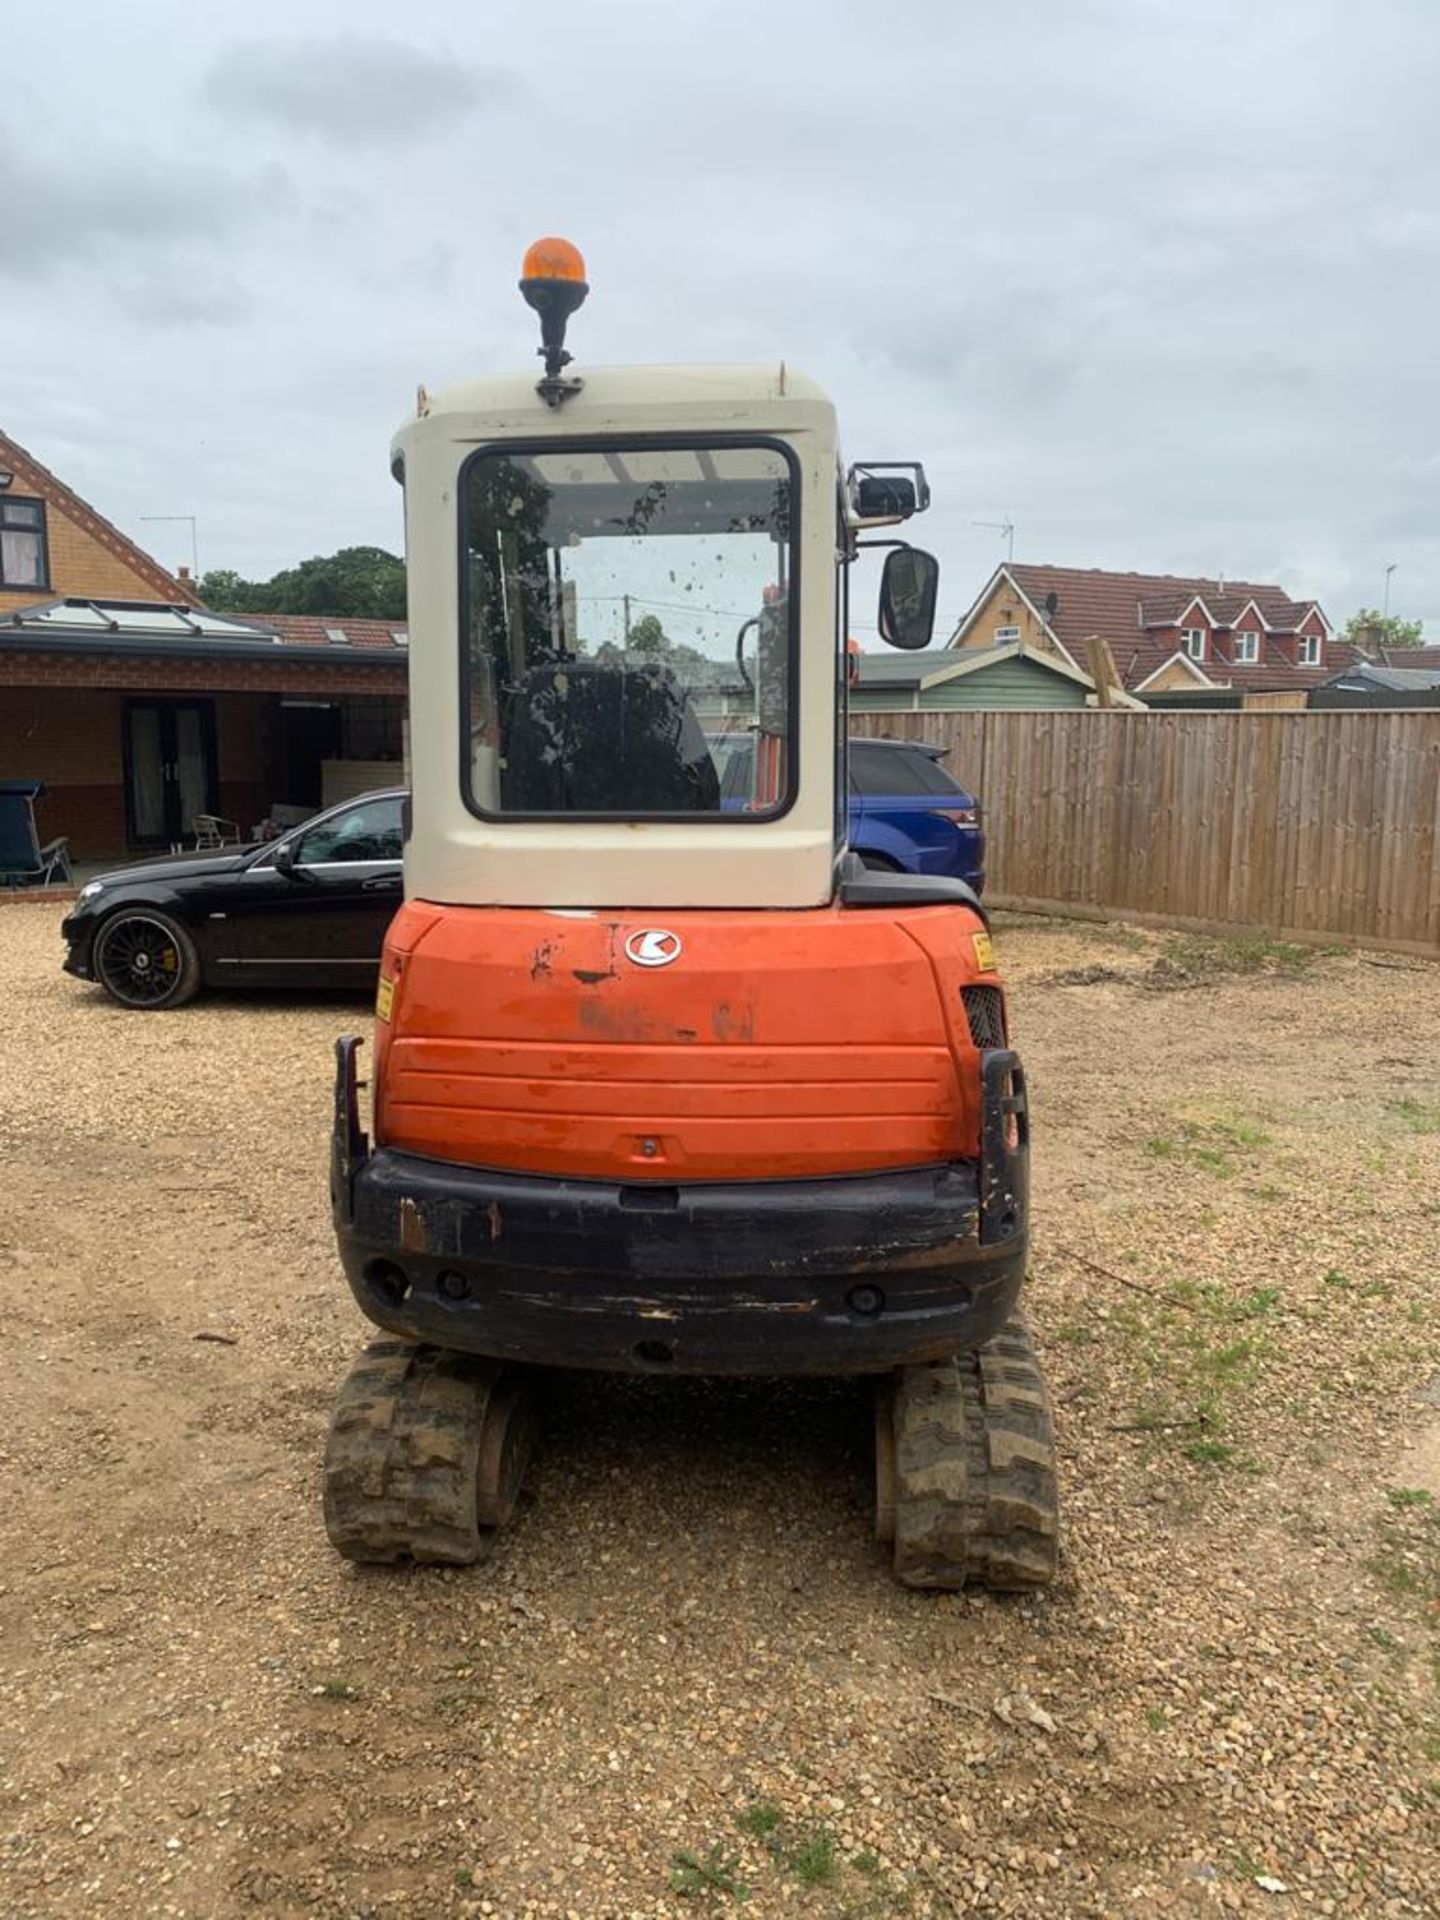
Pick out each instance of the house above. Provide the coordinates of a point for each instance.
(137, 716)
(1369, 684)
(1013, 675)
(138, 708)
(53, 543)
(1176, 641)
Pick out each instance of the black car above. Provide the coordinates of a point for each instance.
(308, 910)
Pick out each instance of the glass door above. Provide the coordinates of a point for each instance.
(169, 769)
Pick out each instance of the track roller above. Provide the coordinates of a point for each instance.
(965, 1469)
(426, 1454)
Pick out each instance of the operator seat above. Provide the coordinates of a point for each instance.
(604, 736)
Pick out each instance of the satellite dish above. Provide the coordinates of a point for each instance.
(1052, 605)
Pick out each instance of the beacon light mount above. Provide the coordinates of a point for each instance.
(552, 279)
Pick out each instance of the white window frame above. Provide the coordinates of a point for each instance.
(1307, 654)
(1004, 635)
(1247, 648)
(1193, 639)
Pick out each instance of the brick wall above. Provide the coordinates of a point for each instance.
(64, 725)
(163, 672)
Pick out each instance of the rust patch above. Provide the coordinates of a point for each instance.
(540, 965)
(493, 1215)
(414, 1236)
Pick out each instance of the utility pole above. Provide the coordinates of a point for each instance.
(625, 640)
(1388, 571)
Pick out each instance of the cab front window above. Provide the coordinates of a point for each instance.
(625, 604)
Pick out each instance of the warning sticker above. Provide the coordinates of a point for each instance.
(984, 952)
(384, 995)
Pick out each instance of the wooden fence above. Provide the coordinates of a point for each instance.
(1316, 825)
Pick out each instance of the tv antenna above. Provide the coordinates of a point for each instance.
(1007, 527)
(185, 519)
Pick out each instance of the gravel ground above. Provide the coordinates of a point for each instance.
(686, 1683)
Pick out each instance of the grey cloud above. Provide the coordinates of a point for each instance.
(160, 301)
(52, 215)
(353, 91)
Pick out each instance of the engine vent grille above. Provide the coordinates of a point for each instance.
(985, 1011)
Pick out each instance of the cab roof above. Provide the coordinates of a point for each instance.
(767, 397)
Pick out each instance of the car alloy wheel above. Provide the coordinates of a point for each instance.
(139, 960)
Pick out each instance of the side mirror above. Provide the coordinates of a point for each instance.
(284, 861)
(908, 587)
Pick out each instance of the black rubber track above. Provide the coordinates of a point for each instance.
(426, 1453)
(974, 1475)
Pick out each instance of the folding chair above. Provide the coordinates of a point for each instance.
(213, 831)
(23, 861)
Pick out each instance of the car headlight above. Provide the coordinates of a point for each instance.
(88, 891)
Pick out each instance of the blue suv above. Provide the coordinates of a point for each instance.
(907, 813)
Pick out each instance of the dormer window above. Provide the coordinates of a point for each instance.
(1247, 649)
(1308, 651)
(1193, 640)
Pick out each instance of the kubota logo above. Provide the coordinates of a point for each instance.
(655, 947)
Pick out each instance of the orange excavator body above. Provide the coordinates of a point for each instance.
(782, 1045)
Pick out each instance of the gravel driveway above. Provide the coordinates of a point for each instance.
(686, 1684)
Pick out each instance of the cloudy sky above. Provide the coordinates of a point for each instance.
(1158, 280)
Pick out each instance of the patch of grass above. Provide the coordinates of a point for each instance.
(1398, 1575)
(335, 1690)
(1256, 1305)
(464, 1876)
(1074, 1333)
(1230, 1365)
(1334, 1278)
(1213, 1144)
(1386, 1642)
(813, 1859)
(1430, 1746)
(1241, 1133)
(1415, 1116)
(714, 1874)
(1410, 1497)
(866, 1863)
(760, 1819)
(1155, 1719)
(1197, 957)
(1209, 1453)
(1194, 1355)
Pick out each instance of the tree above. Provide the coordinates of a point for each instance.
(365, 582)
(647, 635)
(1371, 629)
